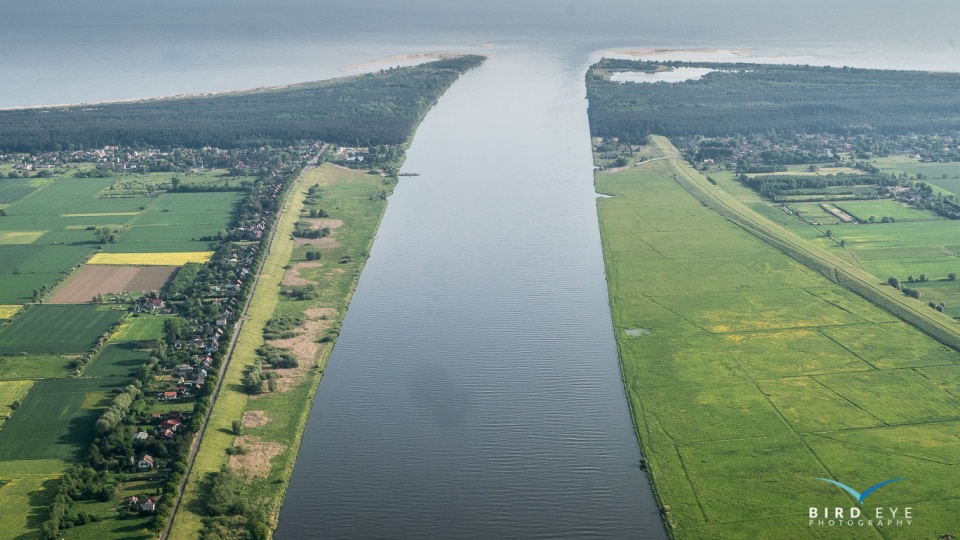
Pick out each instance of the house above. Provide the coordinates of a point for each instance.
(132, 501)
(170, 423)
(153, 304)
(221, 321)
(148, 505)
(145, 463)
(168, 434)
(140, 436)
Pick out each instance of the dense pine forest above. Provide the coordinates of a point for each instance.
(373, 109)
(755, 98)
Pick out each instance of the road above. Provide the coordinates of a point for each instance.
(198, 438)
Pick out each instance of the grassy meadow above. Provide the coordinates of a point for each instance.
(349, 196)
(749, 375)
(917, 242)
(56, 419)
(56, 329)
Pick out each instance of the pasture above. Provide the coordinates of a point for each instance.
(140, 184)
(176, 222)
(25, 499)
(863, 210)
(42, 259)
(92, 280)
(11, 391)
(139, 328)
(35, 366)
(753, 375)
(19, 237)
(943, 175)
(14, 189)
(917, 243)
(117, 360)
(56, 329)
(55, 420)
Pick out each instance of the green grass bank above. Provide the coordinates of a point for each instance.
(749, 375)
(274, 421)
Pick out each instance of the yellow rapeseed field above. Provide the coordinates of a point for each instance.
(7, 311)
(151, 259)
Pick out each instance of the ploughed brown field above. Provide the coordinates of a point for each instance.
(92, 280)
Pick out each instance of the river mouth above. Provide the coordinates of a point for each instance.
(475, 390)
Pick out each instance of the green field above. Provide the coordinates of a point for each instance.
(32, 367)
(177, 221)
(55, 329)
(141, 328)
(749, 375)
(56, 420)
(917, 243)
(943, 175)
(25, 500)
(117, 360)
(862, 210)
(139, 184)
(42, 259)
(10, 392)
(14, 189)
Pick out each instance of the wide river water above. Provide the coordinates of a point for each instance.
(475, 389)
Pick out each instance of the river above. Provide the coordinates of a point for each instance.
(475, 389)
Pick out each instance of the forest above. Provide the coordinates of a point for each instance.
(372, 109)
(739, 99)
(776, 185)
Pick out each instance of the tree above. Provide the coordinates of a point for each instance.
(173, 328)
(923, 278)
(952, 276)
(106, 235)
(894, 282)
(237, 428)
(828, 233)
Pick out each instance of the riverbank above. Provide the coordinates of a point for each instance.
(750, 375)
(273, 421)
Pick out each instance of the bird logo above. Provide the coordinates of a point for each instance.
(859, 497)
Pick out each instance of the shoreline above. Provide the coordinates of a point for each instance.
(286, 426)
(364, 67)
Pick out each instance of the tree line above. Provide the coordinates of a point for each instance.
(372, 109)
(756, 98)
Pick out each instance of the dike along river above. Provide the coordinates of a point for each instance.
(474, 391)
